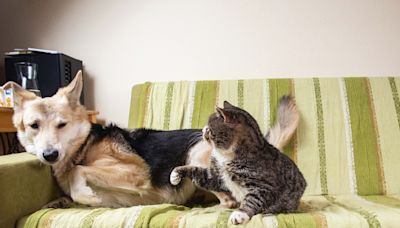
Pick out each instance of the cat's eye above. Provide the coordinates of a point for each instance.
(34, 126)
(61, 125)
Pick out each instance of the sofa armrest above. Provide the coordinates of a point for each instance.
(25, 186)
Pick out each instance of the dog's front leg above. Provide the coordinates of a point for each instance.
(80, 191)
(62, 202)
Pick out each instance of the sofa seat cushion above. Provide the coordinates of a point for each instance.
(315, 211)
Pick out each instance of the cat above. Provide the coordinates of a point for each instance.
(246, 166)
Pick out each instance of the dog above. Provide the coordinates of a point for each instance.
(107, 166)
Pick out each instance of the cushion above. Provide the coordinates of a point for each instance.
(25, 185)
(315, 211)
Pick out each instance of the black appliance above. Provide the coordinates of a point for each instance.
(55, 70)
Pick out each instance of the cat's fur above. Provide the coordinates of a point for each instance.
(246, 165)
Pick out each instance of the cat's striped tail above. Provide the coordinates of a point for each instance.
(287, 121)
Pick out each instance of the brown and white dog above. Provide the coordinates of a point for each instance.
(112, 167)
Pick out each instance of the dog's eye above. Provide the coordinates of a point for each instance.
(34, 126)
(61, 125)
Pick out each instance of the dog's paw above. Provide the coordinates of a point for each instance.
(63, 202)
(239, 217)
(175, 178)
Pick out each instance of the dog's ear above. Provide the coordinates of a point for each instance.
(21, 95)
(73, 91)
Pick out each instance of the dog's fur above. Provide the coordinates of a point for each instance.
(109, 166)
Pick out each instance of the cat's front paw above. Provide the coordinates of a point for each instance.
(239, 217)
(175, 177)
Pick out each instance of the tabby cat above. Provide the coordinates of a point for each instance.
(244, 164)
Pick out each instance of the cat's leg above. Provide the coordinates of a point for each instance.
(202, 177)
(255, 202)
(207, 179)
(287, 202)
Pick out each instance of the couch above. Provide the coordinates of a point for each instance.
(347, 146)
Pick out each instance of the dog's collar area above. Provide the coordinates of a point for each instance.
(81, 154)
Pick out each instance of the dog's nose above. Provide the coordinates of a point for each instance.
(50, 155)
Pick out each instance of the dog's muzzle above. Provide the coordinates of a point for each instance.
(50, 155)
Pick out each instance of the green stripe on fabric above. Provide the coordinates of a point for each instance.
(337, 163)
(180, 110)
(156, 102)
(33, 219)
(174, 222)
(266, 105)
(47, 218)
(364, 138)
(167, 112)
(89, 219)
(396, 99)
(277, 89)
(223, 219)
(254, 100)
(240, 93)
(204, 102)
(371, 218)
(167, 218)
(133, 111)
(320, 219)
(296, 220)
(294, 141)
(227, 91)
(384, 200)
(118, 217)
(388, 130)
(138, 105)
(307, 144)
(321, 138)
(206, 217)
(377, 137)
(158, 216)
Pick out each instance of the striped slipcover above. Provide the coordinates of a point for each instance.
(347, 146)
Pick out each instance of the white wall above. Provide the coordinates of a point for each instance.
(128, 42)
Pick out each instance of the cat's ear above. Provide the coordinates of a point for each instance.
(228, 105)
(221, 113)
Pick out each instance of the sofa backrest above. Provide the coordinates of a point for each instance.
(348, 140)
